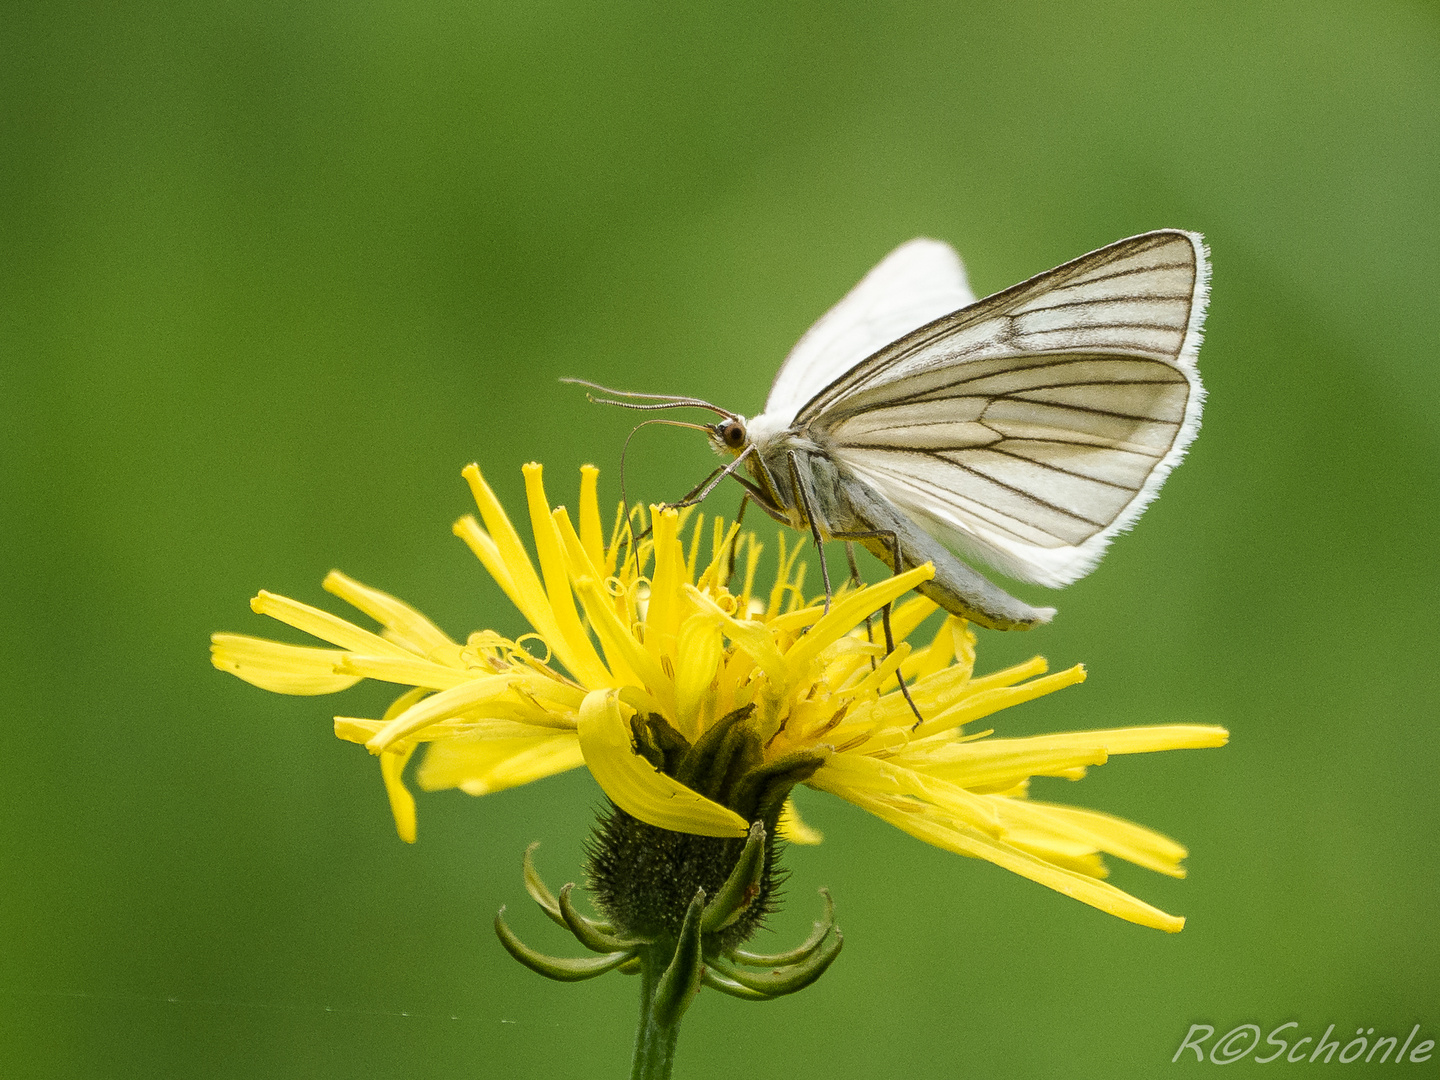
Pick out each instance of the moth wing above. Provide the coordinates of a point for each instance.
(1033, 426)
(916, 283)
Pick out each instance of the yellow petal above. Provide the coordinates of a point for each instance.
(792, 622)
(578, 562)
(408, 627)
(361, 730)
(721, 552)
(964, 640)
(752, 638)
(849, 612)
(662, 620)
(694, 556)
(1143, 740)
(411, 672)
(551, 692)
(635, 785)
(573, 643)
(622, 531)
(1036, 665)
(980, 705)
(883, 673)
(402, 803)
(620, 644)
(934, 695)
(284, 669)
(933, 657)
(392, 771)
(752, 563)
(323, 625)
(1113, 835)
(782, 584)
(977, 845)
(356, 729)
(580, 567)
(698, 650)
(1068, 854)
(479, 766)
(488, 552)
(844, 774)
(439, 706)
(525, 589)
(590, 535)
(1001, 761)
(792, 826)
(556, 755)
(906, 618)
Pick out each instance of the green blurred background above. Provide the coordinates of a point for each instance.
(271, 273)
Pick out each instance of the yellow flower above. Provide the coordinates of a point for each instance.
(648, 630)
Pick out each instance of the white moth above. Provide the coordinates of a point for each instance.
(1024, 430)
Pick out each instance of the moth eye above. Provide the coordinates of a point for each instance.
(734, 434)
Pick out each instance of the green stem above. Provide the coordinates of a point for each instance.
(656, 1036)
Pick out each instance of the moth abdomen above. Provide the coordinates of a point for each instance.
(875, 523)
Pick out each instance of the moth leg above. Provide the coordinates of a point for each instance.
(699, 491)
(760, 499)
(690, 499)
(899, 678)
(893, 543)
(739, 517)
(887, 536)
(855, 582)
(804, 493)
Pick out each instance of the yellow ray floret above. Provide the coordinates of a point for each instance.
(644, 634)
(635, 784)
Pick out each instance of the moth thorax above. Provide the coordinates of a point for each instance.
(766, 426)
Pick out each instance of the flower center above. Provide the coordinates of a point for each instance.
(644, 877)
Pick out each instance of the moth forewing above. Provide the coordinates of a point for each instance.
(1028, 429)
(1091, 304)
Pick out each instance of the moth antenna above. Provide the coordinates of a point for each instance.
(663, 401)
(621, 393)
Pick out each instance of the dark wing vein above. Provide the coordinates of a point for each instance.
(984, 511)
(1099, 326)
(934, 393)
(1126, 298)
(1009, 303)
(997, 448)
